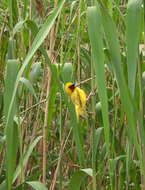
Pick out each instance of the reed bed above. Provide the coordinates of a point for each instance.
(43, 45)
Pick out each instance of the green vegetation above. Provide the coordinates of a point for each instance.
(43, 45)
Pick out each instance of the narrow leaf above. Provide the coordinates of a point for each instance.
(25, 158)
(133, 18)
(96, 39)
(37, 185)
(11, 128)
(28, 85)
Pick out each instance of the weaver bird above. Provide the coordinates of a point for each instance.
(78, 98)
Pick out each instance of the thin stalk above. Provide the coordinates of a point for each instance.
(141, 122)
(61, 141)
(128, 158)
(78, 41)
(45, 126)
(93, 85)
(20, 133)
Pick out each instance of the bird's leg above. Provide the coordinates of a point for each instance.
(91, 113)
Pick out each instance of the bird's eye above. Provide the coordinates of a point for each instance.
(72, 86)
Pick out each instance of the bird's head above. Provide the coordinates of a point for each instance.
(69, 87)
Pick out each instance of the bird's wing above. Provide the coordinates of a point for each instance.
(75, 97)
(79, 98)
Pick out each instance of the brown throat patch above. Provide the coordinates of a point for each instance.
(72, 87)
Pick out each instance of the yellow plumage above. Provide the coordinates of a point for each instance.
(78, 98)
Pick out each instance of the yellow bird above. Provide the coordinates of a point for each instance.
(78, 98)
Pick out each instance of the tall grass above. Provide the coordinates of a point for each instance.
(45, 44)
